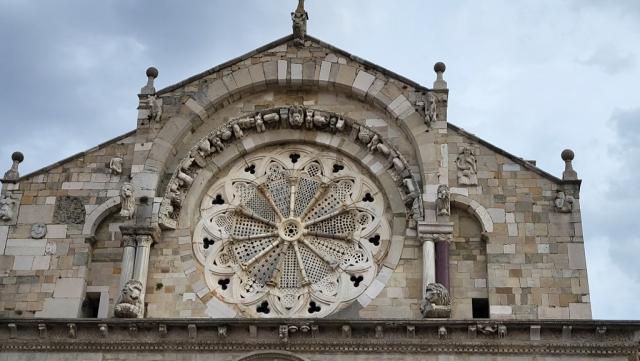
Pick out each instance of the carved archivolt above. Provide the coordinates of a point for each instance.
(294, 117)
(292, 233)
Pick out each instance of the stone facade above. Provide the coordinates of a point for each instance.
(128, 229)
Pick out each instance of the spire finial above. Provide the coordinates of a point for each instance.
(12, 175)
(567, 156)
(439, 68)
(299, 17)
(149, 89)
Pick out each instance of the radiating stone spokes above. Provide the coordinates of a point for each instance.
(290, 234)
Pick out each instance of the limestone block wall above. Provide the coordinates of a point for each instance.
(47, 277)
(535, 254)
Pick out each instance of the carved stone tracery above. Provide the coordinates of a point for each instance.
(284, 235)
(295, 117)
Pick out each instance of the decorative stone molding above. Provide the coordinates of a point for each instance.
(127, 201)
(427, 108)
(8, 208)
(443, 206)
(115, 165)
(467, 167)
(619, 339)
(294, 117)
(38, 230)
(563, 202)
(475, 208)
(97, 215)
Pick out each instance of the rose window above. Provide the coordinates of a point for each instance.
(291, 233)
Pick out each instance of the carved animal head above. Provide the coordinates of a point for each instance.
(131, 292)
(127, 190)
(443, 191)
(437, 294)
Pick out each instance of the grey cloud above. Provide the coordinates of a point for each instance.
(610, 60)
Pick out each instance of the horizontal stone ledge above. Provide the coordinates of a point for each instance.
(581, 336)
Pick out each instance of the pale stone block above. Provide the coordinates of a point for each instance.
(60, 308)
(270, 71)
(331, 58)
(480, 283)
(362, 82)
(242, 78)
(282, 71)
(41, 263)
(230, 83)
(216, 90)
(511, 218)
(580, 311)
(510, 167)
(100, 177)
(500, 310)
(461, 191)
(364, 300)
(545, 312)
(576, 256)
(25, 247)
(146, 145)
(69, 288)
(346, 75)
(72, 185)
(509, 248)
(374, 289)
(296, 73)
(325, 70)
(196, 108)
(256, 71)
(188, 296)
(217, 309)
(497, 215)
(50, 200)
(4, 231)
(22, 263)
(512, 229)
(543, 248)
(56, 231)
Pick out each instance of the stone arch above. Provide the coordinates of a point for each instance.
(271, 355)
(96, 216)
(475, 208)
(340, 143)
(201, 105)
(351, 138)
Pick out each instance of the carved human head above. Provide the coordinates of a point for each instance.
(6, 208)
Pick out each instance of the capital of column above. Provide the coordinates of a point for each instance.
(435, 232)
(144, 233)
(128, 240)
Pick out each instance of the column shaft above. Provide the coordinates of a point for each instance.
(428, 264)
(128, 258)
(442, 263)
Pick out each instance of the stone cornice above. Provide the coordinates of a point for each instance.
(548, 337)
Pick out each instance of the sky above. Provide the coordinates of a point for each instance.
(530, 76)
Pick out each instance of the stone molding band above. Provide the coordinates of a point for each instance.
(292, 117)
(594, 338)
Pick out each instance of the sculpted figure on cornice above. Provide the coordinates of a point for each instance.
(127, 201)
(129, 304)
(443, 202)
(467, 167)
(563, 203)
(7, 208)
(437, 303)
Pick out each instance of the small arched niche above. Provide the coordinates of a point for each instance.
(467, 266)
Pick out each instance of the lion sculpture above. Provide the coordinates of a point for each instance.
(130, 303)
(437, 303)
